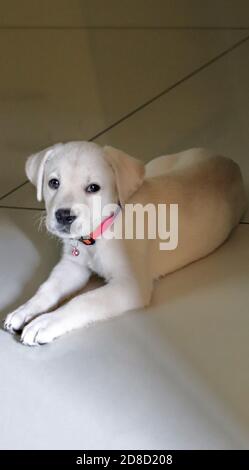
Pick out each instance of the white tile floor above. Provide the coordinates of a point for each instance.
(176, 374)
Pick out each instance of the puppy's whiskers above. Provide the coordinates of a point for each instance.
(40, 221)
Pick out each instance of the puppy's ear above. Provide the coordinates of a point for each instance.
(35, 166)
(129, 172)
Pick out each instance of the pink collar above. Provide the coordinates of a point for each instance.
(100, 229)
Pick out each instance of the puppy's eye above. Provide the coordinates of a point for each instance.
(92, 188)
(54, 183)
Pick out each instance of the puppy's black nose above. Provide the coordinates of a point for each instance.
(64, 217)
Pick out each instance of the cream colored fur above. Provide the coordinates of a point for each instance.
(207, 188)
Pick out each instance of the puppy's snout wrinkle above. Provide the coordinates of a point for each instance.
(64, 216)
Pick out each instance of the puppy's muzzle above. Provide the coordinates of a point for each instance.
(64, 217)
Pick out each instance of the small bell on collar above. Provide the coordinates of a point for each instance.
(75, 251)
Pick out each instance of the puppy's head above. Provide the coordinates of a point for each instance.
(81, 181)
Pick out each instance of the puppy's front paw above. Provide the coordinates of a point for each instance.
(42, 330)
(15, 320)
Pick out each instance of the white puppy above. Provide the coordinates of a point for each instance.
(211, 200)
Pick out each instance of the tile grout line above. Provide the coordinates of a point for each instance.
(154, 98)
(23, 208)
(14, 189)
(124, 28)
(172, 87)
